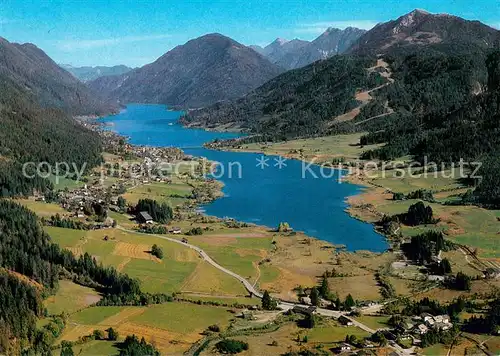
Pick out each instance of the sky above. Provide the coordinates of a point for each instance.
(134, 33)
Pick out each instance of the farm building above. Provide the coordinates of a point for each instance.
(144, 217)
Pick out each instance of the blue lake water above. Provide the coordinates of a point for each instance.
(265, 194)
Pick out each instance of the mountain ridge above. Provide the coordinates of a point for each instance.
(52, 86)
(202, 71)
(88, 73)
(420, 27)
(298, 53)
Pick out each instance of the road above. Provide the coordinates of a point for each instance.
(251, 288)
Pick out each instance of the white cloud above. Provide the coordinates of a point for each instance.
(320, 27)
(72, 45)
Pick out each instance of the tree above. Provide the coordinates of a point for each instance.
(338, 304)
(66, 348)
(98, 334)
(445, 266)
(231, 346)
(460, 282)
(268, 303)
(418, 214)
(112, 334)
(379, 338)
(160, 212)
(133, 347)
(349, 302)
(157, 251)
(314, 295)
(309, 321)
(324, 289)
(121, 203)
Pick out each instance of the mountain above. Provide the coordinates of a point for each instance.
(333, 41)
(419, 28)
(397, 75)
(86, 74)
(37, 99)
(201, 72)
(299, 102)
(257, 49)
(279, 48)
(51, 86)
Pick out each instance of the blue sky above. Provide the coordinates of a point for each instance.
(134, 33)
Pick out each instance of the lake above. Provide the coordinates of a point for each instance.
(259, 189)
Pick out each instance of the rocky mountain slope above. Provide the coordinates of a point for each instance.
(333, 41)
(201, 72)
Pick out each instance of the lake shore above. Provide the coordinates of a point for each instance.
(359, 206)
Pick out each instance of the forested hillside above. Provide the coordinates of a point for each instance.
(32, 131)
(47, 83)
(26, 249)
(300, 102)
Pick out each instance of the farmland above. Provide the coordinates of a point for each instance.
(173, 327)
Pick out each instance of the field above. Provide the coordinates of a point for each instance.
(180, 269)
(174, 193)
(374, 322)
(318, 150)
(41, 208)
(173, 327)
(70, 297)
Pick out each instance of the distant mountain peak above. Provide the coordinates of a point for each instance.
(279, 41)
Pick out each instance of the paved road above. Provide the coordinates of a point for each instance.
(251, 289)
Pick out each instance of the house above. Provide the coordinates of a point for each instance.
(345, 347)
(421, 329)
(442, 319)
(310, 310)
(176, 230)
(345, 321)
(144, 217)
(443, 326)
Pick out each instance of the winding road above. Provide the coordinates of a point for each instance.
(284, 305)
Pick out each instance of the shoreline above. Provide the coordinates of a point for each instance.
(350, 177)
(103, 127)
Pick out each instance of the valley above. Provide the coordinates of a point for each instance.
(337, 194)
